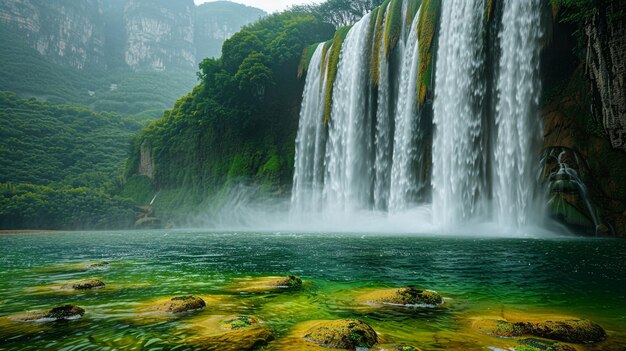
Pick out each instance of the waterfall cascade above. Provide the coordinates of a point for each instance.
(370, 154)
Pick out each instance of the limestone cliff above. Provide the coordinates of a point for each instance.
(159, 34)
(69, 32)
(143, 35)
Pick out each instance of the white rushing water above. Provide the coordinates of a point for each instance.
(306, 192)
(518, 126)
(405, 182)
(370, 160)
(348, 164)
(458, 179)
(383, 141)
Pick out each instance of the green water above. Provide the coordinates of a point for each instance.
(585, 278)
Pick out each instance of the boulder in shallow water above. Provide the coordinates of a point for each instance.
(54, 314)
(545, 345)
(579, 331)
(85, 284)
(227, 333)
(181, 304)
(342, 334)
(267, 284)
(395, 347)
(97, 264)
(408, 296)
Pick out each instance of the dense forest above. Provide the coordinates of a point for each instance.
(61, 166)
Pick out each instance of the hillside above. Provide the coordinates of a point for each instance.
(60, 166)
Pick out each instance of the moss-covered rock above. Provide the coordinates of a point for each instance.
(85, 284)
(394, 347)
(342, 334)
(181, 304)
(54, 314)
(238, 322)
(267, 284)
(227, 333)
(543, 345)
(409, 296)
(579, 331)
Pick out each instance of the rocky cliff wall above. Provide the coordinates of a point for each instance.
(69, 32)
(606, 68)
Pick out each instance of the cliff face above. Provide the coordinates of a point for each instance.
(159, 34)
(69, 32)
(606, 68)
(143, 35)
(585, 122)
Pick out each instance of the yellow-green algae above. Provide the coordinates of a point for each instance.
(265, 284)
(378, 34)
(426, 29)
(333, 63)
(305, 60)
(401, 296)
(393, 25)
(222, 332)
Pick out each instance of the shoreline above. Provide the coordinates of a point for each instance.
(26, 231)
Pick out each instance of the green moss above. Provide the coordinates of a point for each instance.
(427, 26)
(333, 63)
(378, 34)
(393, 25)
(305, 60)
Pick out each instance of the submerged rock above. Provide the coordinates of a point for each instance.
(51, 315)
(268, 284)
(545, 345)
(98, 264)
(342, 334)
(181, 304)
(85, 284)
(227, 333)
(579, 331)
(403, 296)
(401, 347)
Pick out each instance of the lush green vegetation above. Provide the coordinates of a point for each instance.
(60, 164)
(239, 124)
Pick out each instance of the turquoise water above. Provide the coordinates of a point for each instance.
(585, 278)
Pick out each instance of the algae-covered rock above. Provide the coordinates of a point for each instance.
(227, 333)
(85, 284)
(267, 284)
(578, 331)
(394, 347)
(181, 304)
(409, 296)
(342, 334)
(97, 264)
(544, 345)
(54, 314)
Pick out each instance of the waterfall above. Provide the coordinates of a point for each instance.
(348, 165)
(371, 155)
(306, 192)
(517, 120)
(384, 126)
(407, 137)
(459, 164)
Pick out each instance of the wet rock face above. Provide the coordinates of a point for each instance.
(606, 68)
(51, 315)
(182, 304)
(342, 334)
(579, 331)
